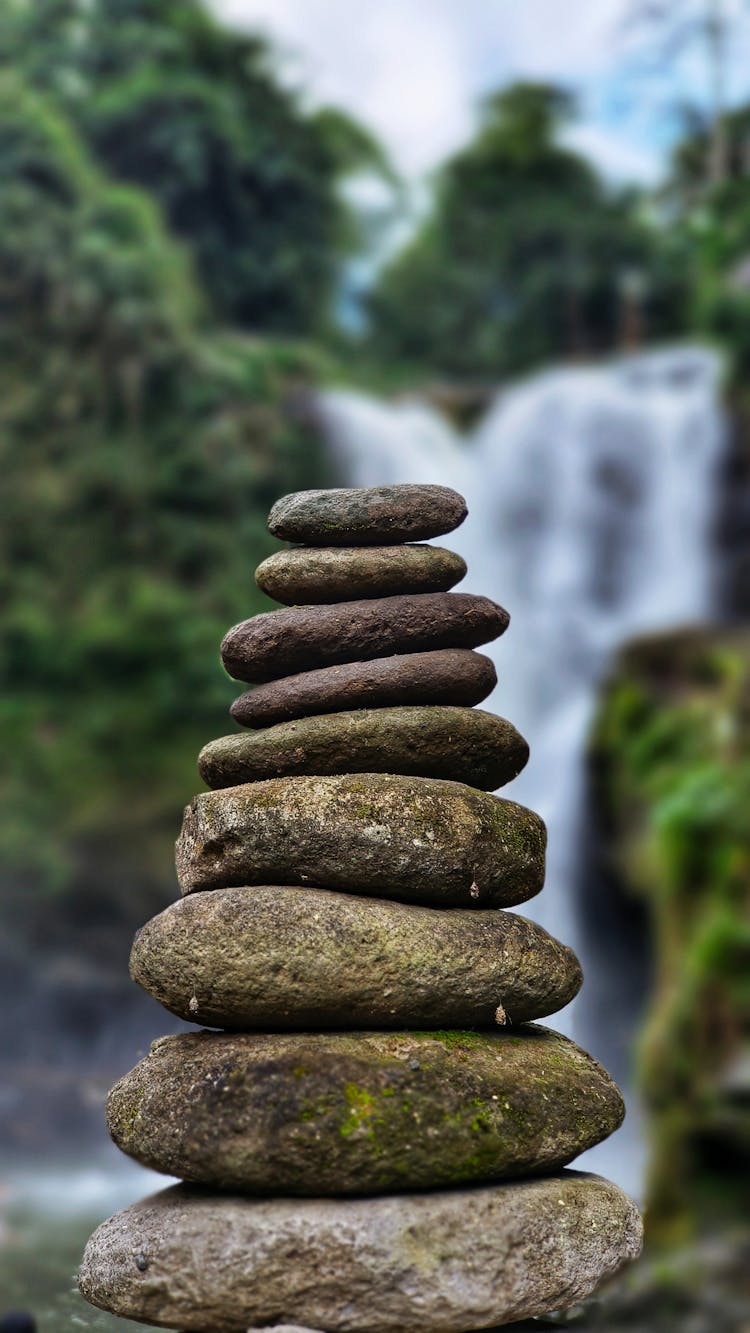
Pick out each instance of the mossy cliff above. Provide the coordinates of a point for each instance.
(671, 763)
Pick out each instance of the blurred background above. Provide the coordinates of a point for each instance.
(259, 245)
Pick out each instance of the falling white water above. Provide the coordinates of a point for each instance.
(591, 495)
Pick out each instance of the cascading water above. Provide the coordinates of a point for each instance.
(591, 496)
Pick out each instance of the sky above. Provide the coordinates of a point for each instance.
(415, 70)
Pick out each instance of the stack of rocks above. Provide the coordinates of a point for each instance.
(375, 1139)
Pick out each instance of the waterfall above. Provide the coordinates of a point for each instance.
(591, 497)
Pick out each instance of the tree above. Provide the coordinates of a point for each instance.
(170, 100)
(139, 457)
(669, 30)
(522, 256)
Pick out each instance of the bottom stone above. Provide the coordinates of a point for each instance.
(444, 1262)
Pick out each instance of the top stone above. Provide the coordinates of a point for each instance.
(367, 516)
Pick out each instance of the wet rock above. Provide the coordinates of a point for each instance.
(360, 1113)
(280, 643)
(416, 839)
(463, 744)
(310, 574)
(367, 516)
(270, 958)
(444, 1261)
(450, 676)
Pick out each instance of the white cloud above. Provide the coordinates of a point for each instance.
(414, 70)
(616, 159)
(400, 65)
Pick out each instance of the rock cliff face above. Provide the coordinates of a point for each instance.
(671, 768)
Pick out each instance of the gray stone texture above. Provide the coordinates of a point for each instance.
(367, 516)
(361, 1113)
(420, 840)
(278, 959)
(442, 1261)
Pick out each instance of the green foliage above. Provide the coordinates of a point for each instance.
(690, 155)
(710, 226)
(523, 255)
(172, 101)
(672, 743)
(139, 457)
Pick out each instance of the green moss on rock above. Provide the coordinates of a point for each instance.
(365, 1113)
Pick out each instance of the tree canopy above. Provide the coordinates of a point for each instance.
(140, 455)
(171, 100)
(522, 256)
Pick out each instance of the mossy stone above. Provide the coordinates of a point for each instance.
(278, 959)
(415, 839)
(361, 1113)
(464, 744)
(310, 575)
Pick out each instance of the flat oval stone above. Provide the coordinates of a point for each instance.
(361, 1113)
(444, 1261)
(279, 959)
(415, 839)
(463, 744)
(314, 574)
(450, 676)
(367, 515)
(302, 638)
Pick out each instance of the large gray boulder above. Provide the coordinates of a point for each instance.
(462, 744)
(279, 959)
(308, 575)
(442, 1261)
(361, 1113)
(414, 839)
(367, 515)
(304, 638)
(456, 676)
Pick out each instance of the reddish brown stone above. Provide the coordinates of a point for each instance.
(450, 676)
(281, 643)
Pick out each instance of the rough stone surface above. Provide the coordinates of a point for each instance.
(451, 676)
(313, 574)
(302, 638)
(361, 1113)
(416, 839)
(367, 516)
(275, 959)
(463, 744)
(444, 1262)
